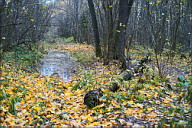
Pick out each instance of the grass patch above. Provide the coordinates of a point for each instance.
(24, 56)
(62, 40)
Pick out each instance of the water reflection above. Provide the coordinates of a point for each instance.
(57, 61)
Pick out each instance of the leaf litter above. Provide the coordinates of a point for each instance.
(32, 99)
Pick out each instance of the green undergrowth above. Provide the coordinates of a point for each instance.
(84, 58)
(24, 56)
(149, 92)
(61, 40)
(154, 94)
(146, 97)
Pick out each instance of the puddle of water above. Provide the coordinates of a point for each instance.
(57, 61)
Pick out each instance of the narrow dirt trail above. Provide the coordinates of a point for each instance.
(58, 61)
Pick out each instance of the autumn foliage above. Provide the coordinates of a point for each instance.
(32, 99)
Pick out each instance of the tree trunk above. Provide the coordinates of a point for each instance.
(95, 27)
(1, 13)
(124, 12)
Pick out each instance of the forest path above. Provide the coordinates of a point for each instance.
(32, 99)
(57, 61)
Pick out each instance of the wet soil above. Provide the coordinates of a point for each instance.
(57, 61)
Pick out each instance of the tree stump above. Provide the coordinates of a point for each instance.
(91, 98)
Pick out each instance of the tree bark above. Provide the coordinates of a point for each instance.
(1, 16)
(95, 27)
(124, 12)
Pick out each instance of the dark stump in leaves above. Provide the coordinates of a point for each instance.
(139, 68)
(91, 98)
(145, 59)
(128, 75)
(183, 56)
(114, 86)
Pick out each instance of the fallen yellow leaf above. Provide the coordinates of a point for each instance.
(86, 117)
(149, 109)
(95, 124)
(124, 93)
(128, 112)
(152, 115)
(37, 109)
(140, 111)
(105, 90)
(91, 119)
(130, 102)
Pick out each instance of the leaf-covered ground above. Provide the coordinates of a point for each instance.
(32, 99)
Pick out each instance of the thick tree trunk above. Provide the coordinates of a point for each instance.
(108, 46)
(124, 12)
(1, 16)
(95, 28)
(110, 29)
(0, 27)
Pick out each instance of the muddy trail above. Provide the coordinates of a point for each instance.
(57, 62)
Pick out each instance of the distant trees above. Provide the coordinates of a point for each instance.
(22, 21)
(161, 24)
(72, 18)
(105, 24)
(121, 24)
